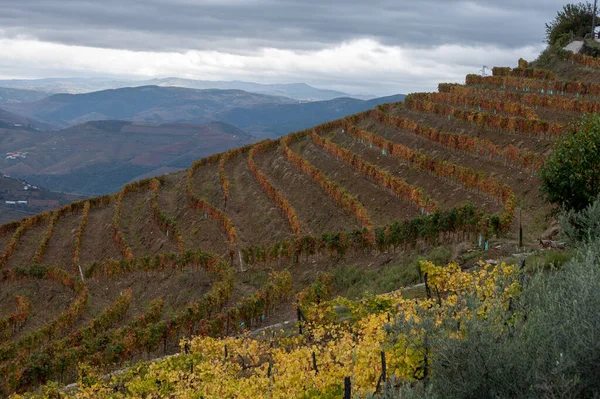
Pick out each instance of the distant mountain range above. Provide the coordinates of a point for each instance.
(296, 91)
(93, 143)
(258, 114)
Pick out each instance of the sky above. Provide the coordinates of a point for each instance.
(357, 46)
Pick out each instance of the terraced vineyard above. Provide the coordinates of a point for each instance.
(223, 246)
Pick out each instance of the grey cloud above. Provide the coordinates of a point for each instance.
(243, 26)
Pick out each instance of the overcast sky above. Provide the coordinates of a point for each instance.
(358, 46)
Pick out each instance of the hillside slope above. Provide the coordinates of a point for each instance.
(222, 246)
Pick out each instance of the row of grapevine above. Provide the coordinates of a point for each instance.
(570, 104)
(12, 353)
(399, 234)
(147, 331)
(552, 87)
(385, 179)
(463, 97)
(533, 73)
(585, 60)
(100, 345)
(511, 123)
(223, 159)
(24, 226)
(360, 348)
(46, 237)
(79, 234)
(483, 147)
(201, 204)
(162, 219)
(282, 203)
(348, 202)
(468, 177)
(15, 320)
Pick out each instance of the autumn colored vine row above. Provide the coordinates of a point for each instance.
(79, 234)
(162, 219)
(585, 60)
(571, 104)
(46, 237)
(401, 188)
(24, 226)
(462, 97)
(62, 323)
(468, 177)
(15, 320)
(282, 203)
(223, 159)
(348, 202)
(202, 205)
(511, 123)
(551, 87)
(483, 147)
(533, 73)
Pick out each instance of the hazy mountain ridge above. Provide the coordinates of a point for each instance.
(297, 91)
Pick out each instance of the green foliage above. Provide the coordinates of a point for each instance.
(571, 176)
(591, 48)
(576, 18)
(578, 227)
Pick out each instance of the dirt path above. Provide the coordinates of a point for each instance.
(317, 211)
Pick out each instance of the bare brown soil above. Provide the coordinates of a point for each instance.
(98, 242)
(197, 231)
(139, 228)
(207, 184)
(28, 245)
(254, 214)
(382, 205)
(48, 300)
(176, 288)
(60, 247)
(317, 211)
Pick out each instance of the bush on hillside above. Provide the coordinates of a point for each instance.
(582, 226)
(591, 48)
(576, 18)
(571, 176)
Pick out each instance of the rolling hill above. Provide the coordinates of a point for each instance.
(8, 95)
(222, 247)
(99, 157)
(19, 199)
(297, 91)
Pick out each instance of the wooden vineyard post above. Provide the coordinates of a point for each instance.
(383, 366)
(314, 361)
(347, 388)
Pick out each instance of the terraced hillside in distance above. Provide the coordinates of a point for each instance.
(226, 245)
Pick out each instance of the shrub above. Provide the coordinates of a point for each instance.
(571, 176)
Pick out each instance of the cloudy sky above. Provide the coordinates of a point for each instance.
(358, 46)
